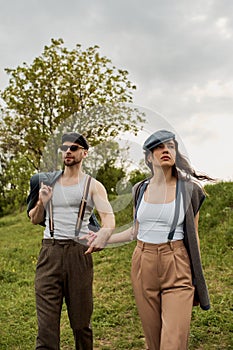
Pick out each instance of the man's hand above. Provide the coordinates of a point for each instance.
(90, 237)
(36, 214)
(45, 194)
(95, 241)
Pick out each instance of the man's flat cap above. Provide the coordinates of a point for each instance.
(75, 138)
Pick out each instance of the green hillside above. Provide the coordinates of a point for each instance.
(115, 321)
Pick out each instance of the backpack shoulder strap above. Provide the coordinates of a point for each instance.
(139, 190)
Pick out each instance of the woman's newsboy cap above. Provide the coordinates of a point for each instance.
(157, 138)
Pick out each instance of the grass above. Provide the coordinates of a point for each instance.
(115, 321)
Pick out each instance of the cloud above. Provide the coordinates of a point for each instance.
(179, 53)
(222, 24)
(214, 89)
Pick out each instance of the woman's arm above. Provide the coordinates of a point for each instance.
(125, 236)
(121, 237)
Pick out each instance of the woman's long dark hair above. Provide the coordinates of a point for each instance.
(181, 165)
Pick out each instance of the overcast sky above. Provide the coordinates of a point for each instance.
(178, 53)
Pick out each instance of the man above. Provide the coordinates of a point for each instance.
(65, 268)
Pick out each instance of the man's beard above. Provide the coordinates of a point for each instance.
(71, 163)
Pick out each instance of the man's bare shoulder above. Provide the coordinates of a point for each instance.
(97, 186)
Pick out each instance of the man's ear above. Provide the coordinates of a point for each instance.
(85, 153)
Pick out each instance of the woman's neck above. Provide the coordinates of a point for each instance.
(161, 189)
(163, 176)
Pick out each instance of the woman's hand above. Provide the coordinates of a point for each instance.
(89, 237)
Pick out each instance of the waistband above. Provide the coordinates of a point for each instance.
(52, 241)
(160, 247)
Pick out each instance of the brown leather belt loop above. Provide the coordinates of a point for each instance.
(171, 245)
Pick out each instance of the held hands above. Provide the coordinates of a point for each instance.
(95, 242)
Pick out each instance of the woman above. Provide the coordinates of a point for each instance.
(166, 266)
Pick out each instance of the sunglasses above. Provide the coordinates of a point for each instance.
(72, 148)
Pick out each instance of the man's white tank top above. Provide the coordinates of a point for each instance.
(155, 221)
(66, 201)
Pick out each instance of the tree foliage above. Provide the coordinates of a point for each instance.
(78, 89)
(140, 174)
(110, 175)
(14, 175)
(61, 90)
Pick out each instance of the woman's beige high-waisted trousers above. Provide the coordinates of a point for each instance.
(162, 283)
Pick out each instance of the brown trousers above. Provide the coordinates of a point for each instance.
(63, 272)
(162, 283)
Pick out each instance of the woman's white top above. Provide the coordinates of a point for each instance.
(66, 201)
(155, 221)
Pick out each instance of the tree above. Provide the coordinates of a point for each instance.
(62, 90)
(110, 175)
(137, 175)
(75, 89)
(14, 175)
(105, 152)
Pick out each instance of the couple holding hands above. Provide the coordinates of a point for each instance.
(166, 272)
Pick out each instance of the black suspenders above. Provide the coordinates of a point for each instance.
(51, 224)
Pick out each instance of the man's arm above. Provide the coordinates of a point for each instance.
(105, 211)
